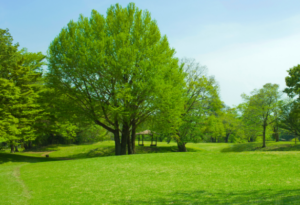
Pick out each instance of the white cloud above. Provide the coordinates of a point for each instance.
(243, 67)
(244, 57)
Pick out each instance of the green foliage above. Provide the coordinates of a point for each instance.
(9, 124)
(201, 100)
(20, 75)
(117, 70)
(233, 125)
(289, 117)
(261, 108)
(215, 128)
(92, 133)
(292, 82)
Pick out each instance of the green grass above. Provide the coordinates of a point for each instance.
(211, 174)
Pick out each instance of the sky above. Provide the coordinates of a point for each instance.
(243, 43)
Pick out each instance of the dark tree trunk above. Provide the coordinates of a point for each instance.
(276, 135)
(129, 145)
(227, 137)
(117, 142)
(161, 138)
(30, 144)
(124, 140)
(12, 148)
(25, 146)
(133, 138)
(16, 148)
(181, 147)
(264, 135)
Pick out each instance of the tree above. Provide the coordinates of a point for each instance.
(262, 106)
(233, 125)
(201, 100)
(117, 71)
(215, 128)
(289, 118)
(19, 70)
(293, 82)
(9, 124)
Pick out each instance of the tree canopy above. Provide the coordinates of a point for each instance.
(117, 71)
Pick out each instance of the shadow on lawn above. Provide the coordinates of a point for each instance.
(265, 197)
(258, 147)
(5, 157)
(110, 151)
(98, 152)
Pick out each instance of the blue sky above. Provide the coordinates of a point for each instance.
(243, 43)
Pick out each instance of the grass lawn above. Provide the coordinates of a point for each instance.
(214, 173)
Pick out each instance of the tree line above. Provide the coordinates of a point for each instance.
(110, 77)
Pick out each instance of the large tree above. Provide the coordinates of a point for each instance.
(117, 71)
(262, 107)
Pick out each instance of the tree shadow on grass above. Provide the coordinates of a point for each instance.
(5, 157)
(98, 152)
(110, 151)
(258, 147)
(159, 149)
(264, 197)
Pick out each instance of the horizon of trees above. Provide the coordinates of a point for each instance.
(111, 77)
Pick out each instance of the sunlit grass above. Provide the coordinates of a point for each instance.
(213, 173)
(178, 178)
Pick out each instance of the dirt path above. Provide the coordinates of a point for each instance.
(26, 193)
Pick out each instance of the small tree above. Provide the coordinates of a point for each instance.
(201, 100)
(289, 118)
(261, 107)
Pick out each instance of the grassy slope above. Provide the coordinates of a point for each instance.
(209, 176)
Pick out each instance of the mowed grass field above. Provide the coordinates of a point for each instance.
(211, 173)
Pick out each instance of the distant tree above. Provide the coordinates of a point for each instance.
(201, 100)
(215, 128)
(261, 107)
(233, 125)
(289, 118)
(293, 82)
(117, 71)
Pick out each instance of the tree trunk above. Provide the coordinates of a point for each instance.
(264, 135)
(16, 148)
(276, 135)
(133, 138)
(129, 144)
(124, 140)
(12, 148)
(227, 137)
(117, 142)
(30, 144)
(25, 146)
(181, 146)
